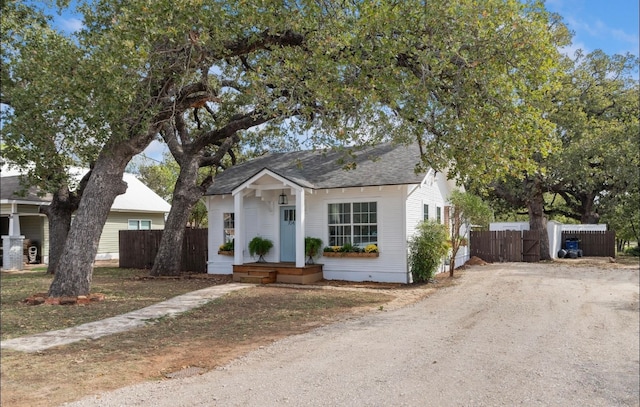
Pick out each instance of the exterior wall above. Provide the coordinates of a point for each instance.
(391, 265)
(108, 247)
(216, 207)
(496, 226)
(434, 193)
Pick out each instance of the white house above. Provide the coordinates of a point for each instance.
(138, 208)
(287, 196)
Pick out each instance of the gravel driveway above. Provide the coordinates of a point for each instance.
(509, 334)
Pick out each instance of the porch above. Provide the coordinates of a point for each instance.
(265, 273)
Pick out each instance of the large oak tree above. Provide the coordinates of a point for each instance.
(465, 78)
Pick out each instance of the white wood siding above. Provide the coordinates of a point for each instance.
(217, 206)
(391, 265)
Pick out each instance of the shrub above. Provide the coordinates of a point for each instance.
(426, 249)
(312, 247)
(227, 246)
(260, 246)
(633, 251)
(349, 248)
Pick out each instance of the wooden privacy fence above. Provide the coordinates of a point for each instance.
(505, 245)
(593, 243)
(138, 249)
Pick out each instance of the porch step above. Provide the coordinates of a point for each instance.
(256, 277)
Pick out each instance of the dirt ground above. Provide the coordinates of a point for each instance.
(561, 333)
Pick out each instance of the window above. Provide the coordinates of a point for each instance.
(139, 224)
(425, 212)
(228, 226)
(355, 223)
(439, 214)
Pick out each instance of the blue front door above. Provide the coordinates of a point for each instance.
(287, 233)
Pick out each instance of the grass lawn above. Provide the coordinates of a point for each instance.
(205, 337)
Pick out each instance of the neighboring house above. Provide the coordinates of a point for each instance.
(138, 208)
(287, 196)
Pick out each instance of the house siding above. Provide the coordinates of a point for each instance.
(216, 207)
(391, 265)
(108, 246)
(436, 195)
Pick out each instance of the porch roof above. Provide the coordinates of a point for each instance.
(385, 164)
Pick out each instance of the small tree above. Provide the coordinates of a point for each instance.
(466, 209)
(426, 250)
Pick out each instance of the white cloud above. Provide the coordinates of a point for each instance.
(70, 24)
(156, 150)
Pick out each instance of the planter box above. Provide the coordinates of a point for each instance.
(226, 252)
(347, 254)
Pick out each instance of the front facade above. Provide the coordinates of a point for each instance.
(287, 197)
(138, 208)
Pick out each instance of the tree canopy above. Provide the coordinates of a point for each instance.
(467, 79)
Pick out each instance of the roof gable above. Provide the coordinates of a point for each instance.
(384, 164)
(137, 198)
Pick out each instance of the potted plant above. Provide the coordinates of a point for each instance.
(261, 247)
(312, 247)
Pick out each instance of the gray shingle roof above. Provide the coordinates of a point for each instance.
(385, 164)
(10, 188)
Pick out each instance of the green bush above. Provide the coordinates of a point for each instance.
(312, 247)
(260, 246)
(633, 251)
(426, 250)
(227, 246)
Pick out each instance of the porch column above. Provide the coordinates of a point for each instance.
(13, 244)
(300, 210)
(238, 244)
(14, 221)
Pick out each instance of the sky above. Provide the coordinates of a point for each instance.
(609, 25)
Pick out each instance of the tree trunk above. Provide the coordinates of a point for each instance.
(59, 214)
(537, 220)
(169, 257)
(75, 266)
(587, 213)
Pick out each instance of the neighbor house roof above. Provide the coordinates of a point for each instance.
(11, 189)
(384, 164)
(138, 198)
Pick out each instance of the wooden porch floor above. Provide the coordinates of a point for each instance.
(265, 273)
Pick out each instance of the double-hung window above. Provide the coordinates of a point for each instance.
(229, 224)
(354, 222)
(438, 214)
(425, 212)
(139, 224)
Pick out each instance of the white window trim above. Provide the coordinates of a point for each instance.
(351, 202)
(139, 221)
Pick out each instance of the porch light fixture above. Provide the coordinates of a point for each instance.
(282, 199)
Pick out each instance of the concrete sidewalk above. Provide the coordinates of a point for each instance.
(121, 323)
